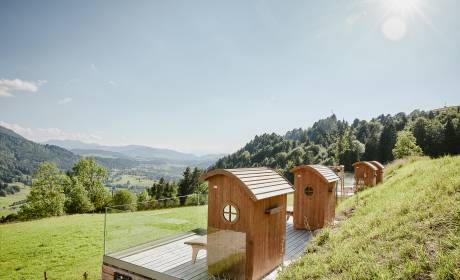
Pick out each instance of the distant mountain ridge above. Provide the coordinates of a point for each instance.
(130, 151)
(20, 157)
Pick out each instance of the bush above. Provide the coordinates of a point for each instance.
(124, 200)
(9, 218)
(196, 199)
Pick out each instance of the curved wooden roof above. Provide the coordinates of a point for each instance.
(260, 183)
(323, 171)
(368, 164)
(377, 164)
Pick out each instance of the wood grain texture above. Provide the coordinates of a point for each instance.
(318, 209)
(259, 183)
(265, 234)
(380, 171)
(365, 172)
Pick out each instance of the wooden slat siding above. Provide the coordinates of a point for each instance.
(254, 173)
(365, 172)
(228, 190)
(271, 194)
(265, 234)
(270, 189)
(380, 172)
(259, 178)
(252, 178)
(319, 208)
(267, 184)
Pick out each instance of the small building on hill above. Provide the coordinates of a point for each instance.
(365, 174)
(380, 172)
(246, 221)
(315, 196)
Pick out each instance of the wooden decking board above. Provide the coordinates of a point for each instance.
(158, 252)
(192, 270)
(175, 259)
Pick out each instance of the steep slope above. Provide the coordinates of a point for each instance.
(406, 228)
(20, 156)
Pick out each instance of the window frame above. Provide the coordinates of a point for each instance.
(232, 212)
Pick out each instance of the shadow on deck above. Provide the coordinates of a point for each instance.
(172, 259)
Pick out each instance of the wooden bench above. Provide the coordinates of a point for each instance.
(197, 244)
(289, 212)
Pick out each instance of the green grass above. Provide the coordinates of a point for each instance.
(406, 228)
(68, 246)
(6, 201)
(133, 180)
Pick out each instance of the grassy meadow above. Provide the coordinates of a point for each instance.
(67, 246)
(406, 228)
(133, 180)
(6, 201)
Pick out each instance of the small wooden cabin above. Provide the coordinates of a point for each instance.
(365, 173)
(380, 167)
(315, 196)
(246, 208)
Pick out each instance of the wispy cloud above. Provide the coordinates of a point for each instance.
(112, 83)
(65, 100)
(45, 134)
(7, 87)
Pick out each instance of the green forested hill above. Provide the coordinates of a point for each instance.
(333, 141)
(19, 157)
(405, 228)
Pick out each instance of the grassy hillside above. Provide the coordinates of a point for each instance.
(68, 246)
(7, 201)
(406, 228)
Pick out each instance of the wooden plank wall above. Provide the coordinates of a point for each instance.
(265, 233)
(364, 173)
(318, 209)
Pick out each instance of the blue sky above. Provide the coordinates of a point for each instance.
(206, 76)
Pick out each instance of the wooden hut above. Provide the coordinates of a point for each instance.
(365, 173)
(380, 167)
(246, 208)
(315, 196)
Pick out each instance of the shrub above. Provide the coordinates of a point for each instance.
(124, 200)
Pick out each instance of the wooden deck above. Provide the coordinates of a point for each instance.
(172, 259)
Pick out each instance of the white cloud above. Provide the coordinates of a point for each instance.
(112, 83)
(7, 87)
(45, 134)
(65, 100)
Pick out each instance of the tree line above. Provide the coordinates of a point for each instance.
(82, 190)
(331, 141)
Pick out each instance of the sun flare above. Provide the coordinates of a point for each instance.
(402, 7)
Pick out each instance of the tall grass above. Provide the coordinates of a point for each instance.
(406, 228)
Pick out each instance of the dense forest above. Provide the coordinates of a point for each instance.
(21, 157)
(331, 141)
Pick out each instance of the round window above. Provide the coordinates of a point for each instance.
(308, 191)
(230, 213)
